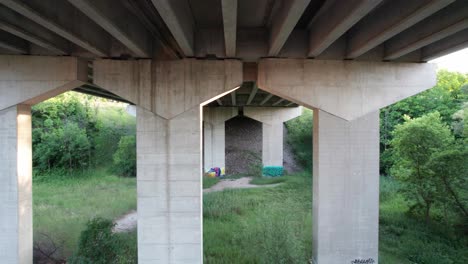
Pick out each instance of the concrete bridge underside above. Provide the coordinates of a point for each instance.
(344, 59)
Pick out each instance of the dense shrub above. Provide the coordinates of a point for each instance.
(125, 157)
(300, 137)
(99, 245)
(76, 131)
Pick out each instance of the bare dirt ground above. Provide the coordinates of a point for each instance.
(128, 222)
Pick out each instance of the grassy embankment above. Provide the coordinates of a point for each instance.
(63, 205)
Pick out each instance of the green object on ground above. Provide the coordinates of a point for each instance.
(273, 171)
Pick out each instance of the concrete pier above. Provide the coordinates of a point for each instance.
(272, 119)
(215, 135)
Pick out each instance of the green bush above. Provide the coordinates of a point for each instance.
(273, 171)
(300, 137)
(97, 243)
(125, 157)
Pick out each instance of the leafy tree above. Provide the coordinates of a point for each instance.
(449, 94)
(415, 142)
(125, 157)
(450, 167)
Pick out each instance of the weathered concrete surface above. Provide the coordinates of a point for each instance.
(272, 119)
(16, 185)
(32, 79)
(169, 187)
(347, 89)
(214, 135)
(168, 88)
(345, 188)
(169, 95)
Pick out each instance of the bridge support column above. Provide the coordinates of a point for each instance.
(272, 119)
(345, 188)
(169, 187)
(16, 185)
(214, 135)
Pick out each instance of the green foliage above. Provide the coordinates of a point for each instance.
(99, 245)
(403, 239)
(75, 131)
(447, 97)
(272, 171)
(414, 143)
(300, 137)
(125, 157)
(209, 181)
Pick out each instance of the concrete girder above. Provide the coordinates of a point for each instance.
(284, 23)
(21, 33)
(119, 23)
(445, 46)
(347, 89)
(87, 36)
(179, 20)
(252, 94)
(229, 9)
(444, 23)
(389, 19)
(25, 80)
(13, 44)
(333, 20)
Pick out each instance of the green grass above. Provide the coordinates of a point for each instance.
(268, 180)
(209, 181)
(265, 225)
(63, 205)
(273, 225)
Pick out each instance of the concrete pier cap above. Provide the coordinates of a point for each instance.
(346, 89)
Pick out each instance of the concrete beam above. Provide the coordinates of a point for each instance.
(95, 45)
(25, 80)
(252, 94)
(119, 23)
(444, 23)
(16, 242)
(13, 43)
(229, 9)
(388, 20)
(21, 33)
(268, 97)
(278, 102)
(179, 20)
(287, 18)
(347, 89)
(204, 80)
(333, 20)
(446, 46)
(345, 189)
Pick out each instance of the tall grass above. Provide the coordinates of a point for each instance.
(266, 225)
(62, 204)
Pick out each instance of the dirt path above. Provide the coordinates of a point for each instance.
(128, 222)
(241, 183)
